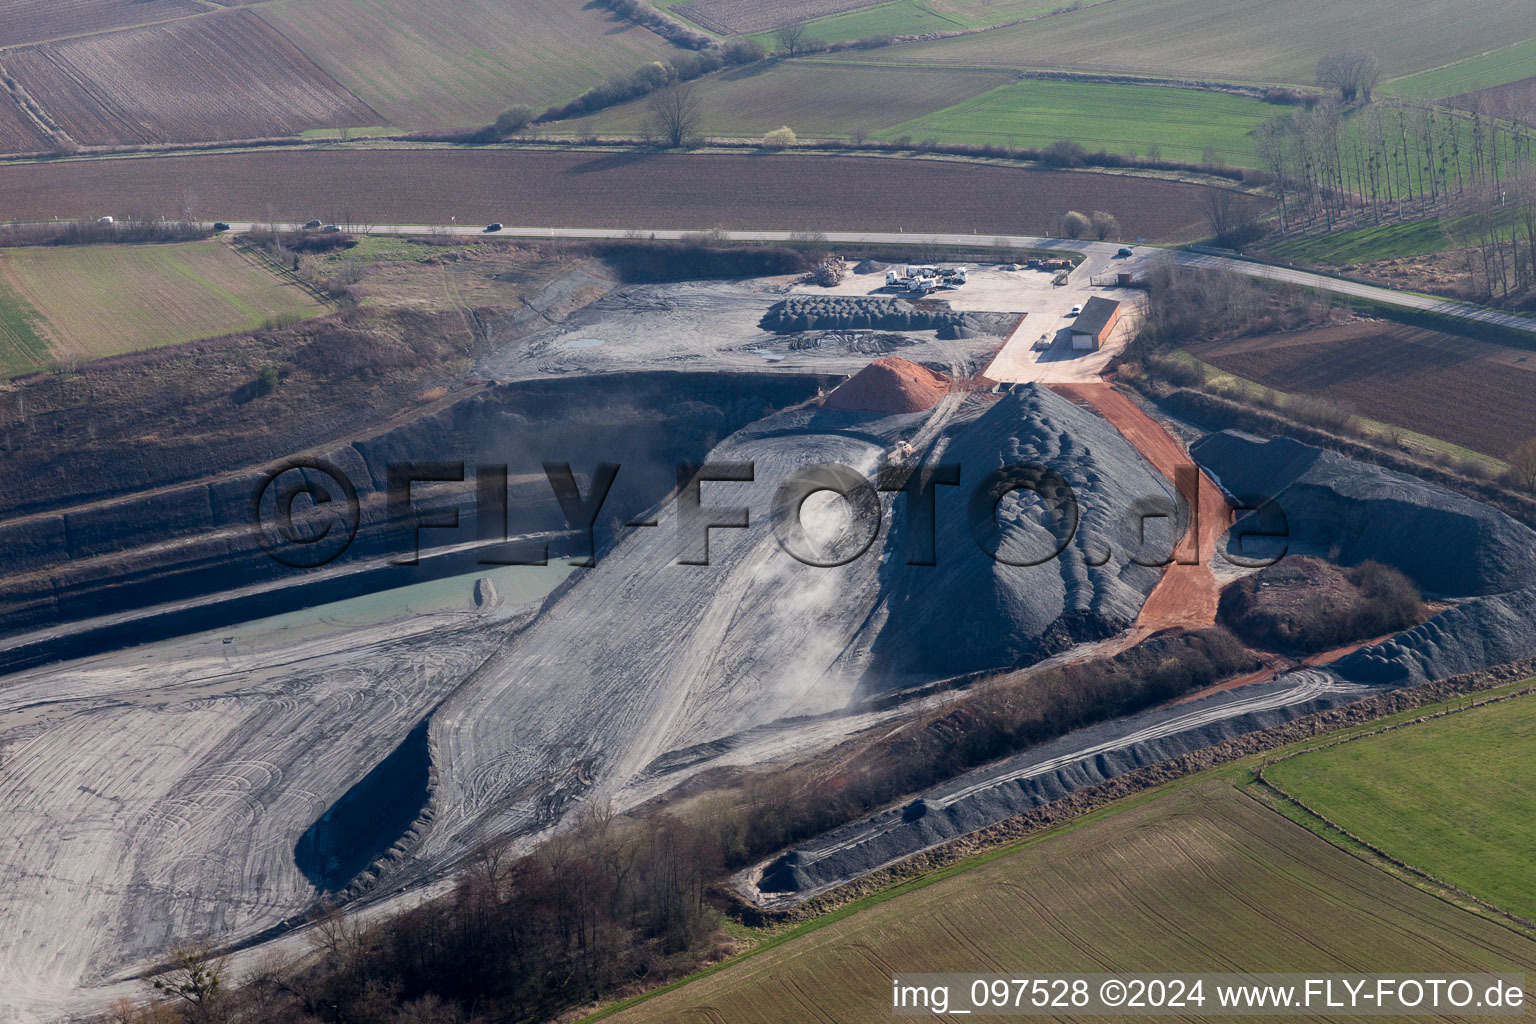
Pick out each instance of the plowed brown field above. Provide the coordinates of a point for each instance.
(620, 190)
(17, 132)
(1471, 393)
(736, 17)
(225, 77)
(36, 21)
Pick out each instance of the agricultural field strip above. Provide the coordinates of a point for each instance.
(159, 294)
(1497, 67)
(250, 82)
(1098, 115)
(57, 20)
(798, 94)
(1197, 873)
(23, 342)
(1454, 796)
(1395, 374)
(1254, 41)
(462, 62)
(613, 190)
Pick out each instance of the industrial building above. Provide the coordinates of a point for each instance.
(1094, 324)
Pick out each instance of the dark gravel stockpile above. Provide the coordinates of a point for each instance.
(1449, 545)
(1038, 776)
(857, 312)
(971, 612)
(1483, 632)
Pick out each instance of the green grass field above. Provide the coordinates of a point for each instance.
(462, 62)
(1455, 797)
(1508, 64)
(1252, 40)
(22, 347)
(1365, 245)
(918, 17)
(816, 100)
(85, 302)
(1381, 242)
(1117, 118)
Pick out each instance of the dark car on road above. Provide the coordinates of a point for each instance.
(492, 228)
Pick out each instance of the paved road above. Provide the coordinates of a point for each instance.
(1445, 307)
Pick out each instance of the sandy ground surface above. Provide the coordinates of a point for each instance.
(707, 326)
(1047, 308)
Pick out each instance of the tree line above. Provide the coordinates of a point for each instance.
(1335, 167)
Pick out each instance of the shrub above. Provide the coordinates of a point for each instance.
(513, 120)
(1302, 604)
(267, 379)
(1104, 224)
(1522, 465)
(1074, 224)
(742, 51)
(779, 138)
(1064, 153)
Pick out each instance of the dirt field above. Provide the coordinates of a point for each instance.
(36, 21)
(622, 190)
(459, 62)
(1398, 375)
(1202, 876)
(95, 301)
(228, 77)
(740, 17)
(1510, 99)
(18, 134)
(816, 100)
(1187, 594)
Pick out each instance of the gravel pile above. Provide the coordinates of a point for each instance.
(1044, 773)
(973, 612)
(1479, 634)
(1350, 512)
(845, 312)
(1451, 546)
(890, 385)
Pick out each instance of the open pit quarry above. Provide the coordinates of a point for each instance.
(218, 785)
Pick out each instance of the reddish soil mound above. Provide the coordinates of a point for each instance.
(891, 384)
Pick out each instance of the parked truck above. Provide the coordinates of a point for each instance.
(916, 280)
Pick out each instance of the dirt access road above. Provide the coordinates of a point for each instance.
(1188, 592)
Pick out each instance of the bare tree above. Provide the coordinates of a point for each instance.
(675, 113)
(1221, 210)
(1353, 72)
(1522, 464)
(791, 40)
